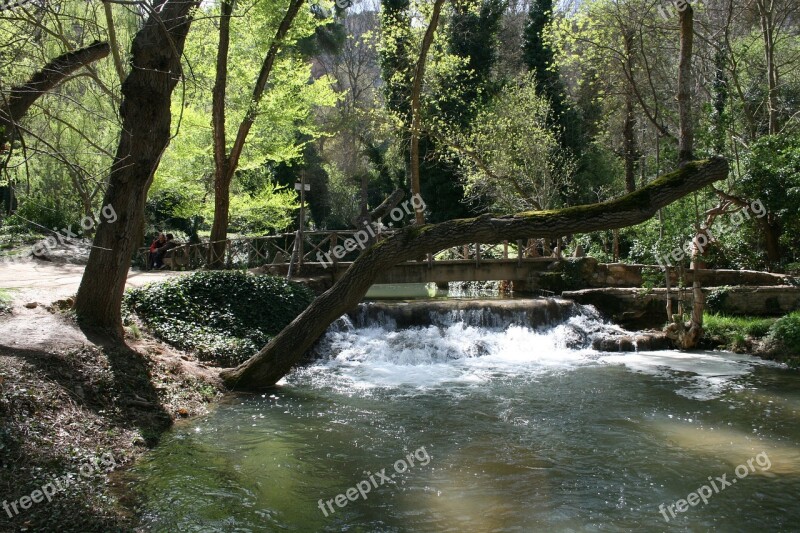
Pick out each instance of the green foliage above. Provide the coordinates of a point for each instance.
(461, 83)
(396, 66)
(267, 210)
(729, 327)
(715, 301)
(773, 177)
(70, 133)
(518, 164)
(284, 125)
(310, 169)
(652, 277)
(786, 333)
(540, 58)
(45, 210)
(167, 211)
(223, 316)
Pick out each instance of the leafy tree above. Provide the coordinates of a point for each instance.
(293, 23)
(512, 155)
(460, 92)
(773, 176)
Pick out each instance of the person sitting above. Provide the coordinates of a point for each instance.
(159, 241)
(162, 251)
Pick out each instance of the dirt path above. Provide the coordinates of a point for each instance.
(43, 283)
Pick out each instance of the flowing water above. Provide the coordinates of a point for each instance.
(480, 421)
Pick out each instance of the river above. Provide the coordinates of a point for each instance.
(464, 425)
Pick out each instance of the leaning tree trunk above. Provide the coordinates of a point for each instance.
(146, 120)
(283, 351)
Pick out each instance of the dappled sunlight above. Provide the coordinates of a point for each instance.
(730, 445)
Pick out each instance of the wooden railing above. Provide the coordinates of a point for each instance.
(315, 246)
(250, 252)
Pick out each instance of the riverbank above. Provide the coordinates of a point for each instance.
(73, 410)
(776, 339)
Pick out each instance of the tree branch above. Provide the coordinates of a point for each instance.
(23, 96)
(261, 83)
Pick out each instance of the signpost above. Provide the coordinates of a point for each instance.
(301, 186)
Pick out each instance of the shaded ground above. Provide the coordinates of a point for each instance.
(65, 400)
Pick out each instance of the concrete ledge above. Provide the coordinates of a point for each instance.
(493, 313)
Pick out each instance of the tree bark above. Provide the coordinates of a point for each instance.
(688, 335)
(416, 91)
(628, 127)
(686, 137)
(22, 97)
(766, 15)
(283, 351)
(146, 122)
(772, 240)
(222, 174)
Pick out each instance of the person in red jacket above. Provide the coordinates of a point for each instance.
(160, 241)
(170, 243)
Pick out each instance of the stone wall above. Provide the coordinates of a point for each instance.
(639, 308)
(584, 273)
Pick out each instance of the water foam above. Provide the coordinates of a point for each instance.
(468, 348)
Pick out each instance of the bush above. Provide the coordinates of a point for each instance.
(786, 332)
(715, 301)
(223, 316)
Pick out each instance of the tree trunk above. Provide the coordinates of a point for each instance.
(146, 117)
(687, 335)
(227, 163)
(686, 137)
(772, 240)
(629, 125)
(219, 227)
(766, 15)
(283, 351)
(416, 91)
(222, 174)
